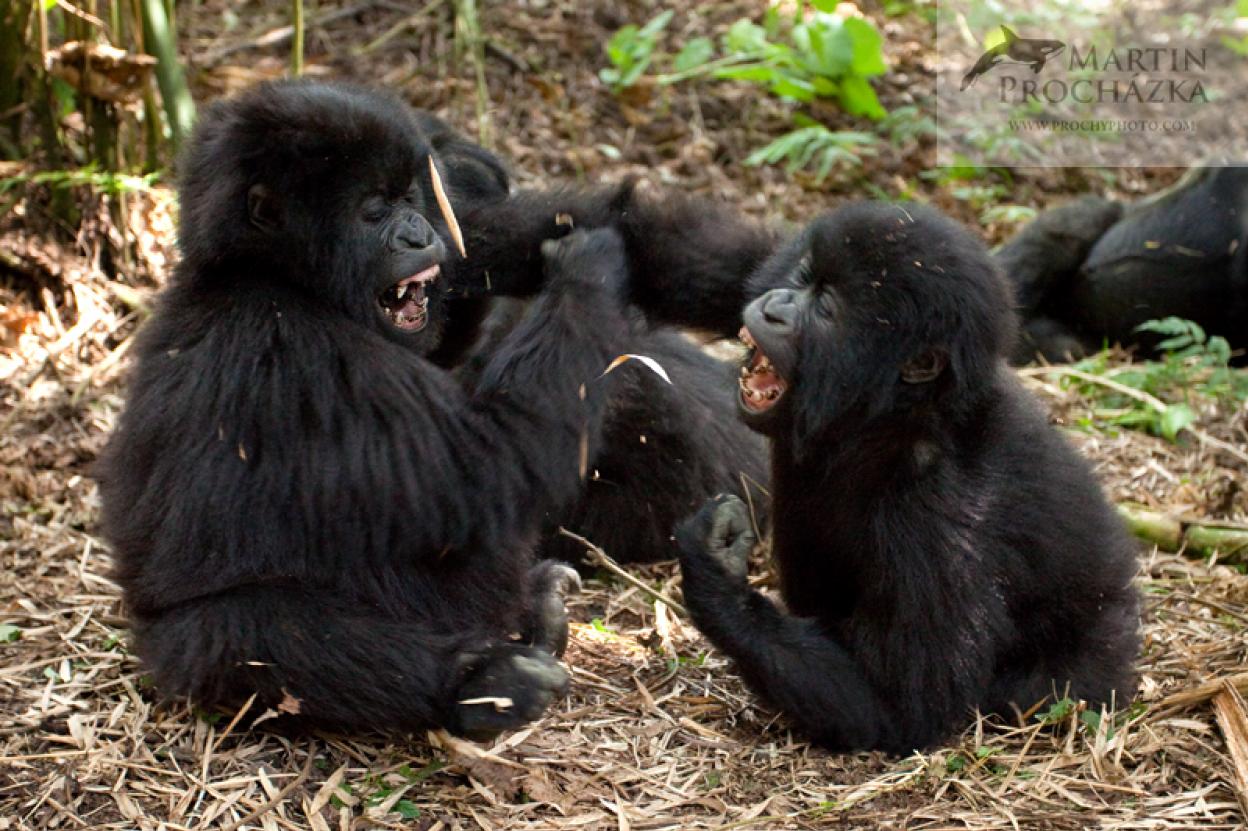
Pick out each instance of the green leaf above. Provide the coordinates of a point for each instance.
(757, 73)
(745, 36)
(1175, 418)
(619, 47)
(9, 633)
(868, 46)
(828, 6)
(652, 29)
(858, 98)
(694, 53)
(634, 72)
(1057, 712)
(793, 88)
(406, 809)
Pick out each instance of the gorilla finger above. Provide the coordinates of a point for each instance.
(550, 625)
(730, 522)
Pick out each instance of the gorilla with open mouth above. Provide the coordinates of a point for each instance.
(940, 547)
(301, 504)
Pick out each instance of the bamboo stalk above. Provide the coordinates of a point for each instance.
(1201, 538)
(296, 46)
(160, 40)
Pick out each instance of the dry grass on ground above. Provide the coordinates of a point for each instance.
(657, 732)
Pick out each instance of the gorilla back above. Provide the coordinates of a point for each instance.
(301, 505)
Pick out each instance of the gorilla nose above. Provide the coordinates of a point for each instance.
(416, 232)
(780, 308)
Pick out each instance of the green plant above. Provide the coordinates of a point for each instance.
(814, 144)
(1193, 365)
(815, 54)
(631, 50)
(820, 55)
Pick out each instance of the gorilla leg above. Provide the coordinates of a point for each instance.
(282, 641)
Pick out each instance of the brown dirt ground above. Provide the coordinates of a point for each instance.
(657, 731)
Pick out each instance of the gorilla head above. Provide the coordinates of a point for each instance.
(874, 312)
(329, 189)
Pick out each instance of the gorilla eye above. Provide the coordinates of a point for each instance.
(375, 208)
(804, 271)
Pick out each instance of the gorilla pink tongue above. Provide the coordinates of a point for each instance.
(761, 386)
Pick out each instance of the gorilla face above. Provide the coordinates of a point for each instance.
(410, 256)
(874, 311)
(333, 190)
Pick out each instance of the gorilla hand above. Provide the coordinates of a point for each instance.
(722, 529)
(594, 257)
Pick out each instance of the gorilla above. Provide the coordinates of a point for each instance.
(305, 503)
(1091, 271)
(940, 547)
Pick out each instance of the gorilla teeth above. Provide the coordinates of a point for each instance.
(402, 291)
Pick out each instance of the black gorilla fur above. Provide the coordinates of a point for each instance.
(940, 547)
(302, 505)
(1090, 271)
(306, 499)
(666, 447)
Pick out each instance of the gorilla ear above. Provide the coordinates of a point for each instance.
(926, 367)
(262, 209)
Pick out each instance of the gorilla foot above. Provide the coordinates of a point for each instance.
(511, 686)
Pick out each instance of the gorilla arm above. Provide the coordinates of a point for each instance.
(789, 660)
(689, 259)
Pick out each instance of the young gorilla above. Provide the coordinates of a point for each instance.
(940, 547)
(302, 505)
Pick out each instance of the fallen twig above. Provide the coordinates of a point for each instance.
(1139, 395)
(599, 557)
(278, 798)
(1232, 715)
(1199, 694)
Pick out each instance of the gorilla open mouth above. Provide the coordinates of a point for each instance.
(761, 386)
(406, 303)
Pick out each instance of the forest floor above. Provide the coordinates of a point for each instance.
(657, 731)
